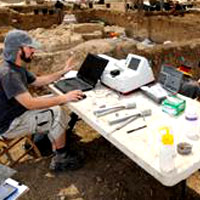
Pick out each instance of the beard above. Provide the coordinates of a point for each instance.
(24, 58)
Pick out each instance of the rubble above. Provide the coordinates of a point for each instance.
(56, 39)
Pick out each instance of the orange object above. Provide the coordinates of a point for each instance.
(113, 34)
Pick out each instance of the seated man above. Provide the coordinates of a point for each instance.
(21, 113)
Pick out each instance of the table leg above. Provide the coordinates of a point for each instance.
(178, 191)
(72, 122)
(183, 190)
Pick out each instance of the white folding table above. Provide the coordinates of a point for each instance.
(141, 146)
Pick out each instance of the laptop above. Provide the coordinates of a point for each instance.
(87, 76)
(169, 83)
(170, 78)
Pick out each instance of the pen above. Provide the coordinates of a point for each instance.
(136, 129)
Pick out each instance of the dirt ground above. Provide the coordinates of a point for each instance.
(107, 175)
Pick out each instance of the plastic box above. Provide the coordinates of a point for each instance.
(173, 105)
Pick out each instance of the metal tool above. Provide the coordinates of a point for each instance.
(136, 129)
(132, 118)
(143, 113)
(111, 109)
(125, 123)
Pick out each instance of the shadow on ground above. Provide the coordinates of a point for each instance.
(107, 175)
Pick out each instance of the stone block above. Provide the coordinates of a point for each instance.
(87, 27)
(93, 35)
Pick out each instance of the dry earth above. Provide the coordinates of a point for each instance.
(107, 174)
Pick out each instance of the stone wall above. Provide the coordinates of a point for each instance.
(29, 21)
(185, 49)
(5, 17)
(174, 54)
(31, 7)
(12, 1)
(157, 27)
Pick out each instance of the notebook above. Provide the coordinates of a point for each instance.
(6, 190)
(20, 189)
(169, 83)
(87, 76)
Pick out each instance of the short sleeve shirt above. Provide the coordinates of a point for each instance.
(14, 80)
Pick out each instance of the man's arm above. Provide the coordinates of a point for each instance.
(32, 103)
(45, 80)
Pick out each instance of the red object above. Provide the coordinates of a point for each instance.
(185, 69)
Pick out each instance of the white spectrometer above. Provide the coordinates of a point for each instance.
(127, 74)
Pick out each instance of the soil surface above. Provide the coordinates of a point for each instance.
(106, 175)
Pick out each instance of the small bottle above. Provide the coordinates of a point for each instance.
(192, 124)
(167, 152)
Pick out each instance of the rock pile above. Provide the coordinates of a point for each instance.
(56, 39)
(64, 36)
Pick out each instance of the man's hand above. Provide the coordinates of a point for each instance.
(69, 65)
(74, 95)
(46, 79)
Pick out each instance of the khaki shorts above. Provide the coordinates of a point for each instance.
(52, 121)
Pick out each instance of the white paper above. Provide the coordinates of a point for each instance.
(21, 188)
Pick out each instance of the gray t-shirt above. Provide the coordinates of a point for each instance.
(14, 80)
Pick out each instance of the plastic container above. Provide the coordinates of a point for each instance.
(192, 128)
(167, 152)
(173, 105)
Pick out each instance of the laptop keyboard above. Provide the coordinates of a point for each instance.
(67, 85)
(78, 82)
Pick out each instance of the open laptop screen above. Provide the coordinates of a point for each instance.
(92, 68)
(170, 78)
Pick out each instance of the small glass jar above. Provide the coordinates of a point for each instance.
(192, 125)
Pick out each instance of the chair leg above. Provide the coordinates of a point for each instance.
(33, 146)
(9, 145)
(5, 153)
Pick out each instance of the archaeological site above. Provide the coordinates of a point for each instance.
(165, 33)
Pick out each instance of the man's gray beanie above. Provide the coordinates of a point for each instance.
(13, 41)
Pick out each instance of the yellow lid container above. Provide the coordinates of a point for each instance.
(167, 138)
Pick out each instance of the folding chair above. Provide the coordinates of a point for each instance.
(7, 145)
